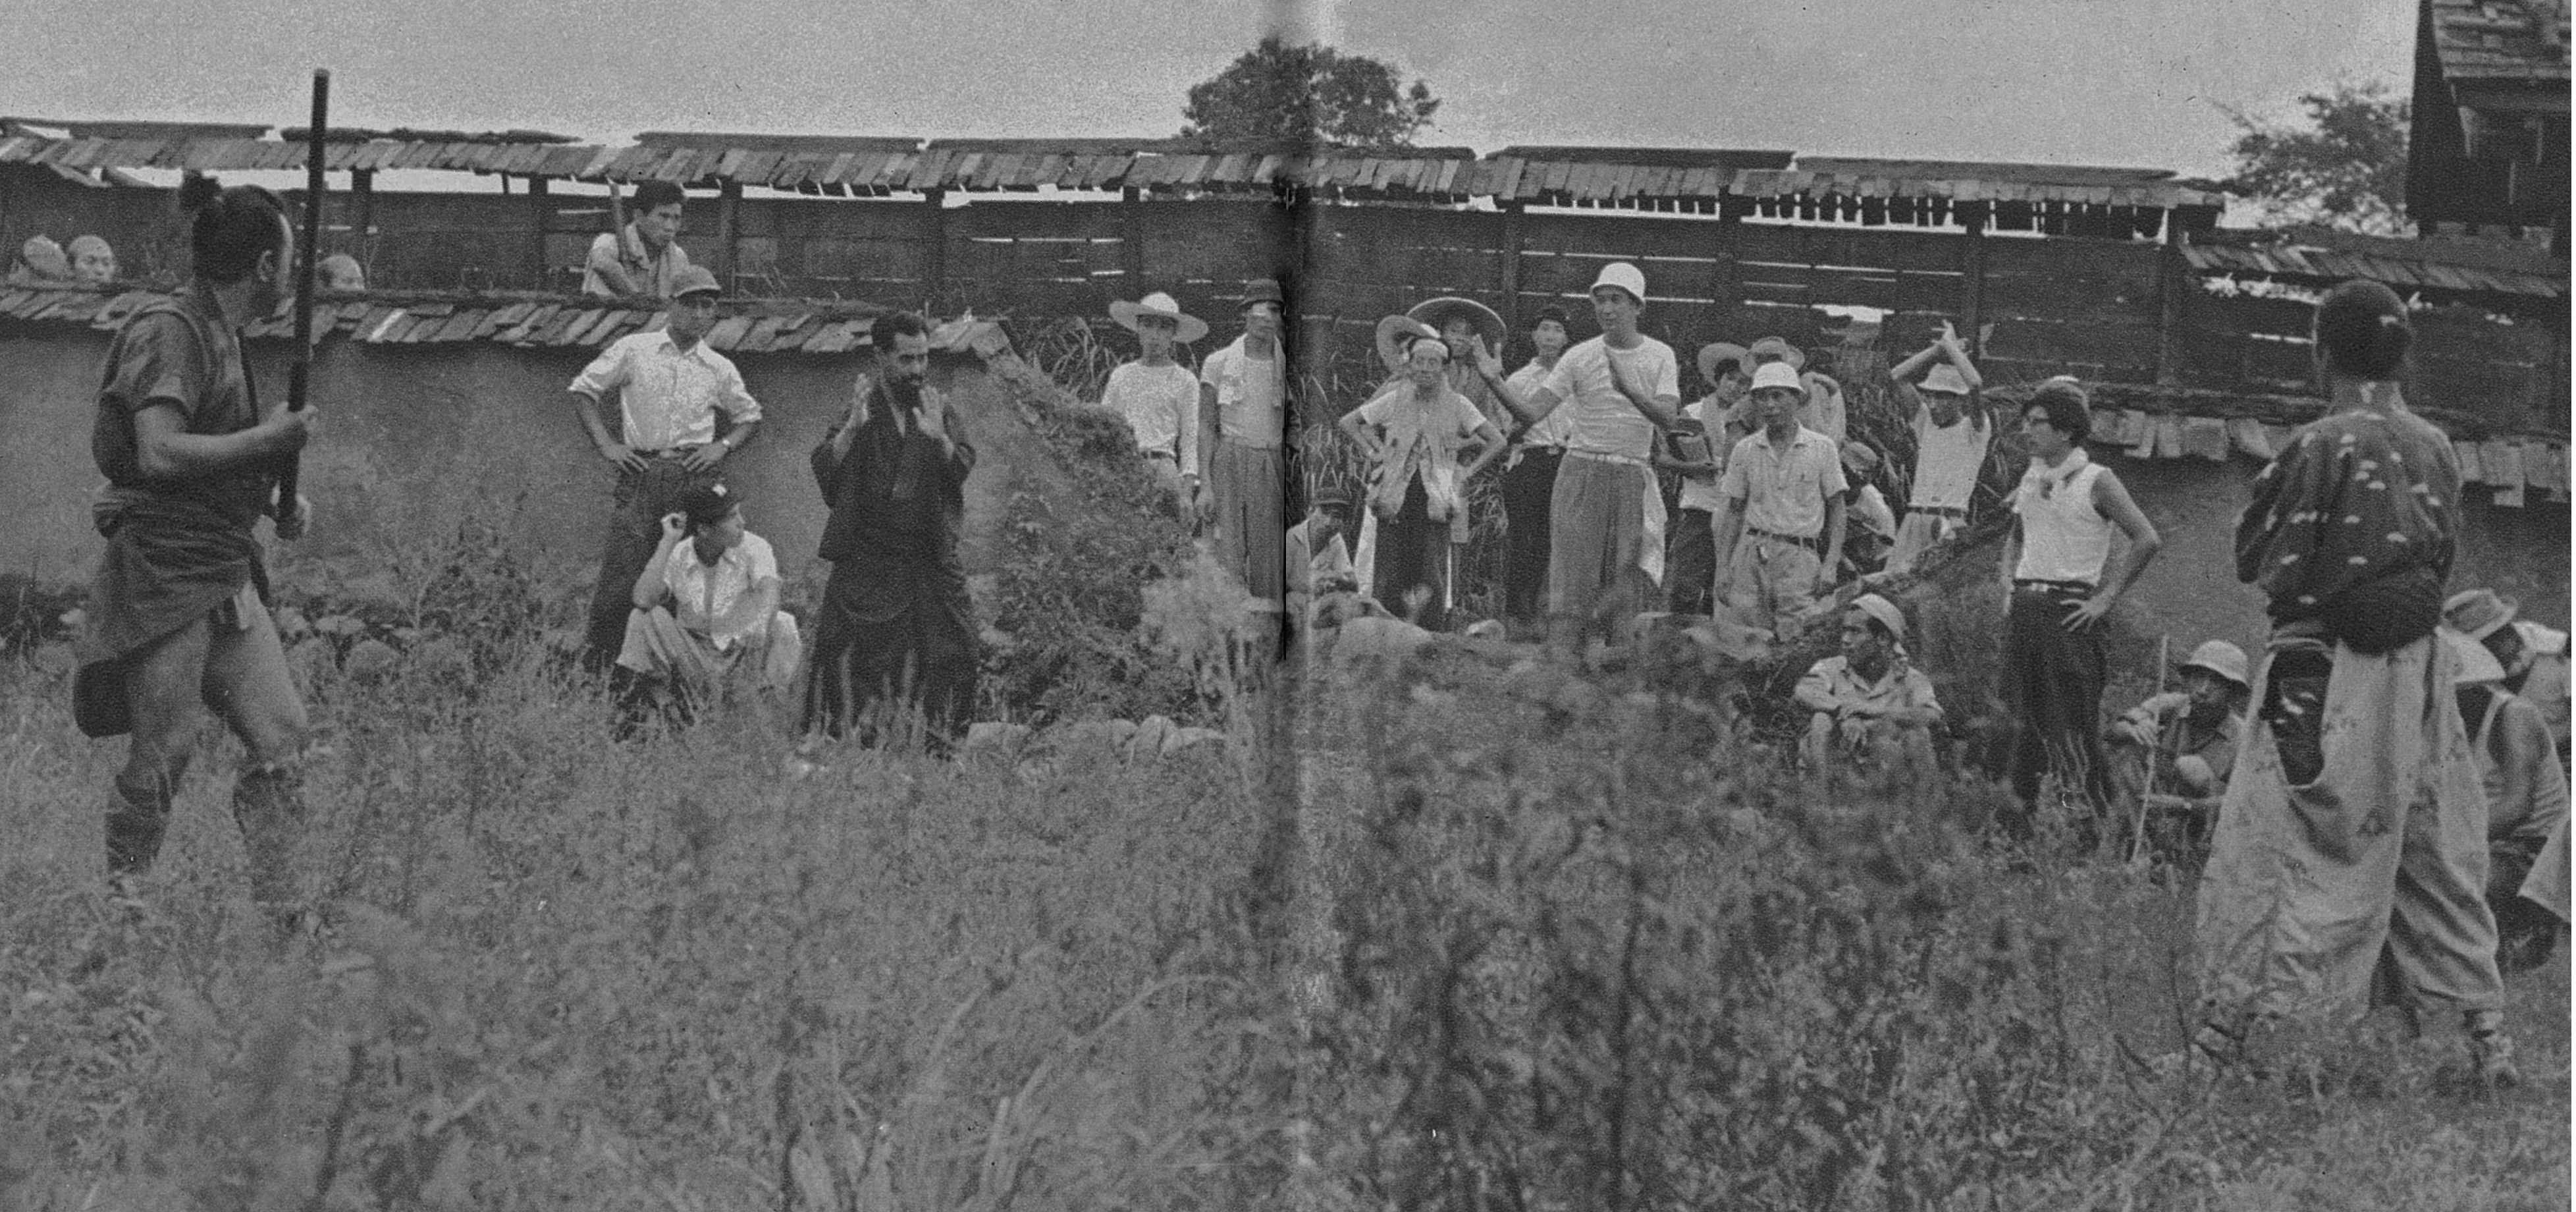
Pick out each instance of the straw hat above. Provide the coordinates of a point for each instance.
(1719, 351)
(1438, 312)
(2477, 613)
(1859, 458)
(1158, 304)
(2472, 664)
(1775, 347)
(2221, 658)
(1395, 335)
(1624, 276)
(1945, 379)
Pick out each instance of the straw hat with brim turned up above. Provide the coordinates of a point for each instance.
(1719, 351)
(1438, 312)
(1159, 304)
(1395, 336)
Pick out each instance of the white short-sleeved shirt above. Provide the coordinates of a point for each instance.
(667, 396)
(1421, 438)
(1551, 429)
(1248, 394)
(1602, 420)
(652, 270)
(1700, 492)
(1947, 457)
(702, 594)
(1784, 489)
(1161, 403)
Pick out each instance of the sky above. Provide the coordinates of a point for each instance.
(2120, 82)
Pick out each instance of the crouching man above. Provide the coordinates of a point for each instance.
(1873, 708)
(706, 608)
(2177, 749)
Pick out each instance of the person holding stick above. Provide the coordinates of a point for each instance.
(642, 257)
(178, 614)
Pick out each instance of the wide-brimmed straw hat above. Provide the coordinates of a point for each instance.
(1438, 312)
(2477, 613)
(1159, 304)
(2471, 663)
(1776, 347)
(1719, 351)
(1945, 379)
(1395, 336)
(2221, 658)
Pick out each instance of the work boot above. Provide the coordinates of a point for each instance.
(135, 825)
(268, 805)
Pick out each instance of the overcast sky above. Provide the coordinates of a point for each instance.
(2128, 82)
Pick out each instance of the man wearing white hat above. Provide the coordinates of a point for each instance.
(1822, 410)
(1870, 702)
(1950, 441)
(2526, 796)
(1606, 516)
(2534, 657)
(1780, 523)
(1159, 397)
(2177, 748)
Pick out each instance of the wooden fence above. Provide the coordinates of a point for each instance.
(2125, 311)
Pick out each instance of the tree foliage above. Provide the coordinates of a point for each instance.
(2344, 166)
(1307, 94)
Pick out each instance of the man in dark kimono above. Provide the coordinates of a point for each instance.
(178, 622)
(894, 643)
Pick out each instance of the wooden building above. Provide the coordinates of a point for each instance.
(2488, 146)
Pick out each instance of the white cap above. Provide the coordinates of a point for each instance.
(1777, 374)
(1624, 276)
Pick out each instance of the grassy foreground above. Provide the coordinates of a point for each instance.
(1510, 939)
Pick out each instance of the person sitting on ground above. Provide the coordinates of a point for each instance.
(2534, 657)
(2526, 795)
(2177, 748)
(644, 257)
(1160, 397)
(341, 272)
(1318, 560)
(40, 262)
(1951, 436)
(93, 261)
(1869, 523)
(1872, 706)
(1423, 442)
(706, 608)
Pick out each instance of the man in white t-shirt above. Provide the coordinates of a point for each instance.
(706, 608)
(1160, 397)
(1606, 523)
(1951, 435)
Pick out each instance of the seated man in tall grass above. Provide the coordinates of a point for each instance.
(1873, 708)
(706, 608)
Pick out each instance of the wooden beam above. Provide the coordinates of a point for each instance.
(541, 211)
(1131, 240)
(362, 186)
(1515, 220)
(934, 271)
(2173, 277)
(1972, 280)
(1726, 284)
(728, 229)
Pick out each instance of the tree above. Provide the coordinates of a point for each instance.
(1305, 95)
(2344, 167)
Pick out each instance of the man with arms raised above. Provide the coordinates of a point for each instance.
(178, 620)
(1606, 515)
(670, 385)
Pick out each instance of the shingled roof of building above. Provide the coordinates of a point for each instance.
(2497, 40)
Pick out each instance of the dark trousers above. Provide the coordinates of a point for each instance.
(1527, 488)
(635, 513)
(2052, 681)
(1413, 552)
(1690, 564)
(894, 652)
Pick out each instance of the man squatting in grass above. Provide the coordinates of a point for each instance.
(1529, 478)
(706, 607)
(2064, 511)
(1243, 394)
(1951, 435)
(1606, 515)
(894, 640)
(1423, 442)
(644, 257)
(178, 617)
(1872, 707)
(1780, 498)
(1160, 397)
(669, 385)
(2177, 749)
(1690, 573)
(2350, 862)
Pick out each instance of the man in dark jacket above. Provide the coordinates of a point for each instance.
(894, 641)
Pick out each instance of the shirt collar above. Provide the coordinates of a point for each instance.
(1804, 436)
(2063, 473)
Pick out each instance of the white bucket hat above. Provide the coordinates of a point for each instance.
(1624, 276)
(1159, 304)
(1777, 374)
(1945, 379)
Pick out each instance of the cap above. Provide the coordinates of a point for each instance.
(708, 505)
(1263, 290)
(1885, 612)
(694, 280)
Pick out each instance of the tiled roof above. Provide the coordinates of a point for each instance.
(876, 166)
(2500, 40)
(2318, 260)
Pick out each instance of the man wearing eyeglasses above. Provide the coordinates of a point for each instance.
(2064, 513)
